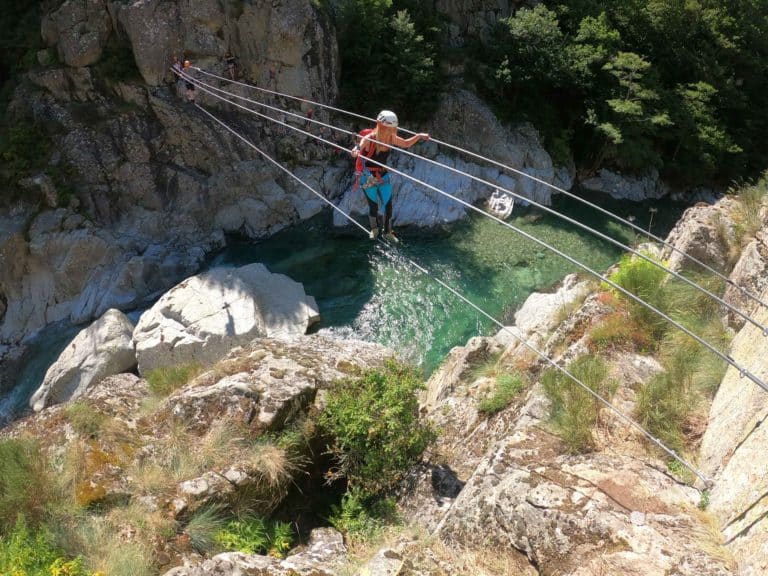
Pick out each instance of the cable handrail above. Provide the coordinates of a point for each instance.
(742, 370)
(737, 311)
(498, 164)
(707, 482)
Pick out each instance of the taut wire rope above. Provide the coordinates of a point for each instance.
(461, 297)
(616, 217)
(742, 370)
(494, 185)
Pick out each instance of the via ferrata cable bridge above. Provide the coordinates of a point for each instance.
(626, 222)
(389, 252)
(743, 371)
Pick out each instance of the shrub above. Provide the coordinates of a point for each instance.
(373, 421)
(644, 280)
(163, 381)
(253, 535)
(362, 516)
(618, 330)
(25, 486)
(661, 408)
(574, 411)
(506, 388)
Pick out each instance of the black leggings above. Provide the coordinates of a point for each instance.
(373, 213)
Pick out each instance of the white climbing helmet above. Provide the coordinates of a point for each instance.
(388, 118)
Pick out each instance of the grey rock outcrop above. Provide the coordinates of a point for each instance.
(704, 232)
(751, 274)
(623, 187)
(324, 556)
(79, 29)
(733, 453)
(205, 316)
(473, 18)
(103, 349)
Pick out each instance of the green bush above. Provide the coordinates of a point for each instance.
(362, 516)
(662, 407)
(203, 527)
(253, 535)
(27, 553)
(506, 388)
(163, 381)
(25, 482)
(373, 423)
(574, 411)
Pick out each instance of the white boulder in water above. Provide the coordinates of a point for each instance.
(207, 315)
(103, 349)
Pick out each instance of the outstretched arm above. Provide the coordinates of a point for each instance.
(408, 142)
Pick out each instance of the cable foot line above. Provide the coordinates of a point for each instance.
(389, 252)
(608, 213)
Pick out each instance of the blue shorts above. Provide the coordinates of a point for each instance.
(380, 193)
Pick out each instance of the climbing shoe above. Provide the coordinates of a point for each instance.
(391, 237)
(373, 234)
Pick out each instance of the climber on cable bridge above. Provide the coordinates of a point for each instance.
(375, 144)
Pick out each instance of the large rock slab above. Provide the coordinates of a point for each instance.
(207, 315)
(80, 29)
(751, 274)
(623, 187)
(103, 349)
(733, 452)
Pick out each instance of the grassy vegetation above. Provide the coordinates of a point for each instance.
(164, 381)
(748, 211)
(505, 390)
(362, 517)
(85, 419)
(574, 411)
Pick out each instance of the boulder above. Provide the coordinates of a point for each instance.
(733, 452)
(80, 29)
(633, 188)
(748, 274)
(324, 555)
(205, 316)
(704, 232)
(266, 382)
(103, 349)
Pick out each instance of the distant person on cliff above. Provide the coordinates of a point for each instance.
(188, 83)
(374, 179)
(229, 59)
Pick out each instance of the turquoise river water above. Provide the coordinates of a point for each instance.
(363, 293)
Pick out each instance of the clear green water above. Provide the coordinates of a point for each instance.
(363, 293)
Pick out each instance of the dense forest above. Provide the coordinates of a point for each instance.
(678, 85)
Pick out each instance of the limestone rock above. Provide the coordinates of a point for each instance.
(700, 233)
(751, 274)
(207, 315)
(630, 188)
(103, 349)
(323, 556)
(265, 383)
(473, 18)
(733, 452)
(80, 29)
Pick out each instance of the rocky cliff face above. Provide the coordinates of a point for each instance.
(156, 185)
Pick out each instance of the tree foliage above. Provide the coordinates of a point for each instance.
(676, 85)
(388, 57)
